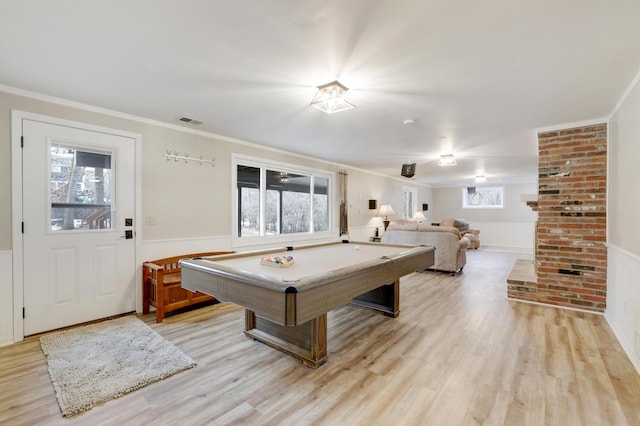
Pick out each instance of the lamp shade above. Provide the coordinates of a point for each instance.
(386, 210)
(419, 216)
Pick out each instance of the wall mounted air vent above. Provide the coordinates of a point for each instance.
(190, 120)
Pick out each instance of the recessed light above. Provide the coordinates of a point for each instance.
(408, 121)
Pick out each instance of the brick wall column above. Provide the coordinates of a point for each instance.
(571, 255)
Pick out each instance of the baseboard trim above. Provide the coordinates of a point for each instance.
(628, 351)
(506, 249)
(511, 299)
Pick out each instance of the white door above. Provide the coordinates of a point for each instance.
(78, 210)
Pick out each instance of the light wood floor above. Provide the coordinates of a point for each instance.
(458, 354)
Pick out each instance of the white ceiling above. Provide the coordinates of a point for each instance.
(477, 78)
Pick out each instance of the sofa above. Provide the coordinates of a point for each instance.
(473, 235)
(450, 245)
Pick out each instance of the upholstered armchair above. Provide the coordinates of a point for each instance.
(474, 238)
(473, 235)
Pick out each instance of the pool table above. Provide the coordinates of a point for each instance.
(286, 307)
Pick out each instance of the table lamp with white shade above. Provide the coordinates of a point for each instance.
(419, 216)
(386, 210)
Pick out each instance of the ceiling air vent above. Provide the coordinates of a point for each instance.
(190, 120)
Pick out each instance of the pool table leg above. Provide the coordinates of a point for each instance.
(307, 342)
(384, 299)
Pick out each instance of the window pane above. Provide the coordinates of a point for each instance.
(407, 205)
(483, 197)
(409, 198)
(80, 190)
(295, 212)
(320, 204)
(248, 180)
(282, 203)
(249, 212)
(295, 196)
(272, 215)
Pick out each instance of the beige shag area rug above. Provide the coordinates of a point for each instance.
(92, 364)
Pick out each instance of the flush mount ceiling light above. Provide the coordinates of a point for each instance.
(481, 178)
(447, 160)
(331, 98)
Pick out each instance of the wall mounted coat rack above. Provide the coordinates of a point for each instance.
(175, 156)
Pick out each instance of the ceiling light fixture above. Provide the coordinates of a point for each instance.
(447, 160)
(331, 98)
(283, 177)
(481, 178)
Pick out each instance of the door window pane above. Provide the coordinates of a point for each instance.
(80, 189)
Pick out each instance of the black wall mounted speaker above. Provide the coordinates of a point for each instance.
(408, 170)
(471, 190)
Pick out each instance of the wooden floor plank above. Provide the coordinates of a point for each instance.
(459, 353)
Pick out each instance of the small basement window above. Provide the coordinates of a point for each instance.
(483, 198)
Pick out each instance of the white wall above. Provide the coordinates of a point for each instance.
(511, 226)
(623, 269)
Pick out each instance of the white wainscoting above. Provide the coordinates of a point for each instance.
(623, 300)
(362, 233)
(157, 249)
(6, 298)
(515, 235)
(519, 235)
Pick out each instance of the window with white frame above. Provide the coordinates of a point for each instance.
(483, 197)
(409, 202)
(278, 199)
